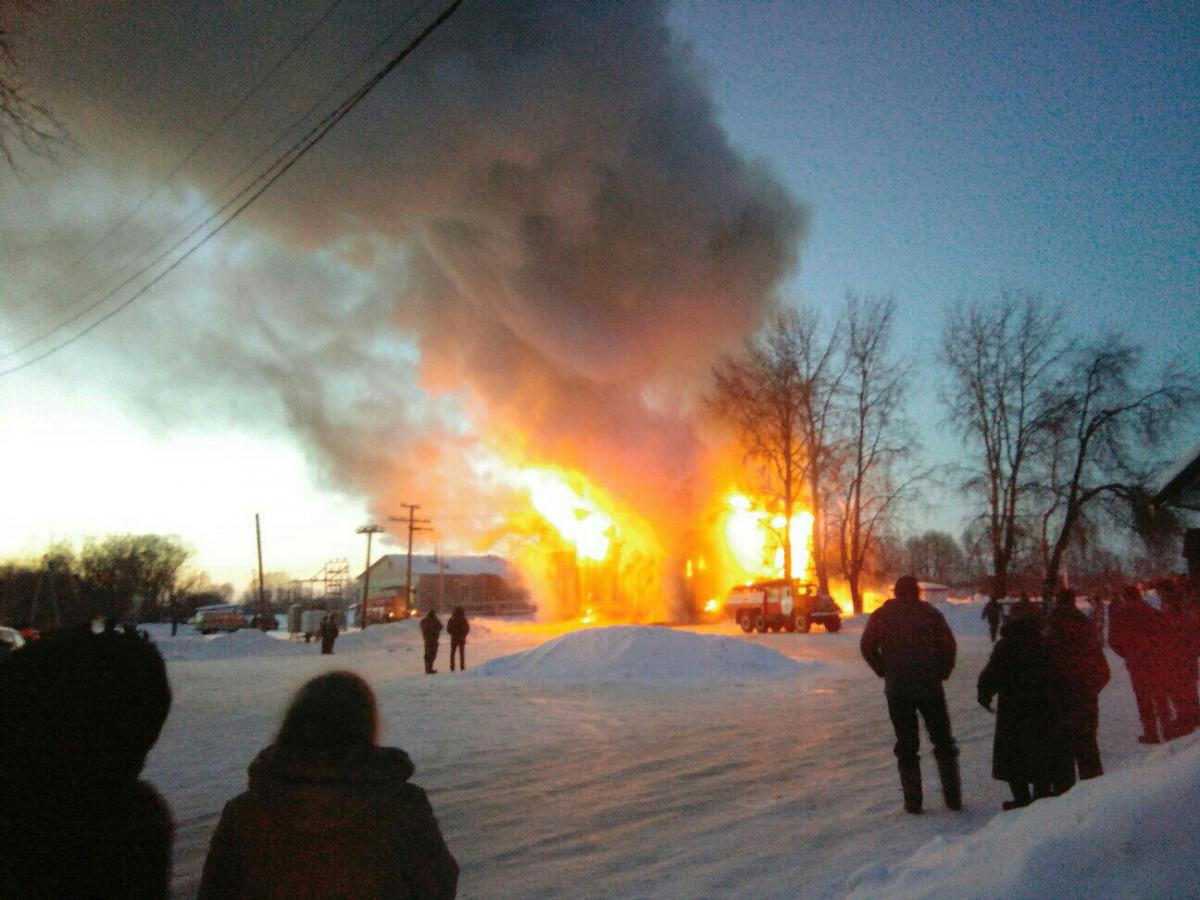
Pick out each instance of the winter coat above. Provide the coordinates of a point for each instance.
(909, 645)
(431, 628)
(993, 612)
(1027, 745)
(1136, 633)
(1079, 670)
(334, 823)
(458, 628)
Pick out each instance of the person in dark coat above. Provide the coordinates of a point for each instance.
(79, 712)
(994, 613)
(328, 812)
(431, 630)
(458, 628)
(1027, 749)
(328, 632)
(1135, 633)
(1079, 672)
(909, 645)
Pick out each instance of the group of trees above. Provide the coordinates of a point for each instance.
(819, 415)
(1061, 438)
(1064, 434)
(117, 577)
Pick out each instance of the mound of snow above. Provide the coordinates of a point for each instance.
(643, 652)
(238, 645)
(1130, 833)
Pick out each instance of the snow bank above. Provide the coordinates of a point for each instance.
(1129, 834)
(238, 645)
(644, 652)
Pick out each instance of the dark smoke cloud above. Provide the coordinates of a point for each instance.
(543, 198)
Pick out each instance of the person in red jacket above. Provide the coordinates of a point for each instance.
(329, 813)
(909, 645)
(1135, 633)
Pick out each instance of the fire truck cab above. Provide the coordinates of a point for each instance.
(782, 605)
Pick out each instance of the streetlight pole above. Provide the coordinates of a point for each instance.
(368, 530)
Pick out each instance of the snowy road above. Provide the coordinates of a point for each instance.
(763, 788)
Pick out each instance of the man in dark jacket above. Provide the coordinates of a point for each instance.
(909, 645)
(993, 612)
(1078, 672)
(1135, 633)
(329, 632)
(458, 628)
(78, 714)
(431, 630)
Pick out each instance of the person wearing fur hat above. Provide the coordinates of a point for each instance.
(908, 644)
(329, 813)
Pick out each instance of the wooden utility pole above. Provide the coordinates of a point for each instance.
(414, 524)
(368, 530)
(262, 594)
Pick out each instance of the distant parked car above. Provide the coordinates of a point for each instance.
(209, 619)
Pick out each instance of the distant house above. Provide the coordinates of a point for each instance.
(481, 585)
(934, 593)
(1179, 486)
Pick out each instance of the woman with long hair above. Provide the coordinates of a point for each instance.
(329, 813)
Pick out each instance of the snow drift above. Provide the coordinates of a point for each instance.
(644, 652)
(1129, 834)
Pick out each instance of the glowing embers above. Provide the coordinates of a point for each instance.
(754, 538)
(579, 521)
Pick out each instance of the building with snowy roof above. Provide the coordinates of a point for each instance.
(481, 585)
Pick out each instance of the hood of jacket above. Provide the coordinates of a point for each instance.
(321, 791)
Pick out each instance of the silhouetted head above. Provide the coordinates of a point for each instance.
(336, 709)
(81, 706)
(907, 588)
(1065, 597)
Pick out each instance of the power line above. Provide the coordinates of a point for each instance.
(267, 178)
(140, 268)
(179, 166)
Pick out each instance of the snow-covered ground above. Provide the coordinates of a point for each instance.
(655, 762)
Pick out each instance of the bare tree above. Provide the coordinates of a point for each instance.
(935, 556)
(874, 435)
(1106, 426)
(24, 120)
(1003, 359)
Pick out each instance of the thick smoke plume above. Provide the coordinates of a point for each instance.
(542, 197)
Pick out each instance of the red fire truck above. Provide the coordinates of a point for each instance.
(782, 605)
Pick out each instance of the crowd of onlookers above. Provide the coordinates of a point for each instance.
(1045, 674)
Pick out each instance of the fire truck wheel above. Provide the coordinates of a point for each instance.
(832, 625)
(744, 621)
(760, 623)
(805, 625)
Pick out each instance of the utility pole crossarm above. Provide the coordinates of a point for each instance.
(414, 525)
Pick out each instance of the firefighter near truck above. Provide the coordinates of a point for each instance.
(782, 605)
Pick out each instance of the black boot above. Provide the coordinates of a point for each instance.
(951, 782)
(910, 783)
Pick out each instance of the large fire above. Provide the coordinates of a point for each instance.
(593, 559)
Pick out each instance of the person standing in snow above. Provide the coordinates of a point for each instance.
(1078, 672)
(79, 712)
(1135, 633)
(1027, 749)
(328, 812)
(1183, 644)
(909, 645)
(431, 630)
(328, 632)
(993, 612)
(458, 628)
